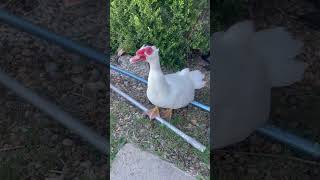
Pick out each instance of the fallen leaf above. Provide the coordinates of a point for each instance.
(194, 122)
(120, 52)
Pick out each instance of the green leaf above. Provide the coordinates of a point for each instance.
(165, 23)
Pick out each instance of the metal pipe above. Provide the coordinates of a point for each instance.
(124, 72)
(187, 138)
(70, 45)
(292, 140)
(302, 145)
(55, 112)
(52, 37)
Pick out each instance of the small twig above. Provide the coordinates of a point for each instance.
(285, 14)
(80, 95)
(272, 156)
(62, 162)
(56, 171)
(11, 148)
(33, 9)
(5, 4)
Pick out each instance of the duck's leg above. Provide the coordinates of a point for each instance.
(152, 113)
(167, 114)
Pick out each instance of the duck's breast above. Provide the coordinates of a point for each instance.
(177, 93)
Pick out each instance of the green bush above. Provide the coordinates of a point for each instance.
(174, 26)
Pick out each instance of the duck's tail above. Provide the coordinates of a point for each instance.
(197, 79)
(279, 50)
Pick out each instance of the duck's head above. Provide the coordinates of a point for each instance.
(146, 53)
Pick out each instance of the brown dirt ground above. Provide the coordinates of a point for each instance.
(192, 120)
(294, 108)
(32, 146)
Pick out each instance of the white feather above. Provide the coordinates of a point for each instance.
(246, 65)
(279, 49)
(174, 90)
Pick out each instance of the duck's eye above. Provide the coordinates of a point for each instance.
(149, 50)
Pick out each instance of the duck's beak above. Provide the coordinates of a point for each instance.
(136, 58)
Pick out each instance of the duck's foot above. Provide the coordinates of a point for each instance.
(153, 113)
(167, 114)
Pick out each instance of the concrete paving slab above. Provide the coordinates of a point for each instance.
(131, 163)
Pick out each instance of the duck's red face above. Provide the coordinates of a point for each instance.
(142, 54)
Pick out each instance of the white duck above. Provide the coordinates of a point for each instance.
(171, 91)
(247, 64)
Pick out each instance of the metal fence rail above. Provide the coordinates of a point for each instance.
(124, 72)
(302, 145)
(187, 138)
(49, 108)
(55, 112)
(306, 146)
(52, 37)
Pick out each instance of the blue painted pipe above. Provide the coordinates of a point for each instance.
(69, 44)
(270, 131)
(124, 72)
(298, 143)
(52, 37)
(195, 103)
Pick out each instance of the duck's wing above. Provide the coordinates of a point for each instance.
(278, 49)
(176, 78)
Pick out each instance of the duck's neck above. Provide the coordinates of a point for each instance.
(155, 68)
(156, 78)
